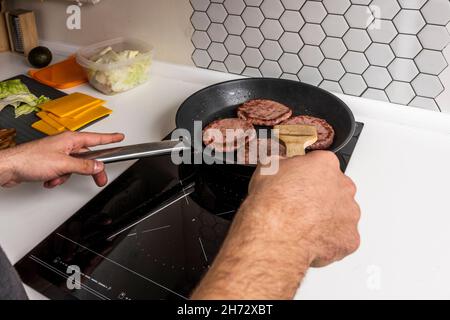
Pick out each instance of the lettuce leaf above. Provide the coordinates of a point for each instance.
(16, 94)
(12, 87)
(24, 109)
(16, 99)
(29, 108)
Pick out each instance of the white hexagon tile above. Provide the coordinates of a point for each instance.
(390, 50)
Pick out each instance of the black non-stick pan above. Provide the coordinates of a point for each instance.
(221, 101)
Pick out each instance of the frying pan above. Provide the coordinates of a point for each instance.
(221, 101)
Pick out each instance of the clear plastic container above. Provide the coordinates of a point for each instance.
(125, 71)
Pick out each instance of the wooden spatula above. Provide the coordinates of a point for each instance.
(296, 138)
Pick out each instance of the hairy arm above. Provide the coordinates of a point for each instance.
(253, 264)
(6, 170)
(303, 216)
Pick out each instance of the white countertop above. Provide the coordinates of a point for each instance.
(401, 166)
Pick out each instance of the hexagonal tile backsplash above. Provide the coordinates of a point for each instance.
(389, 50)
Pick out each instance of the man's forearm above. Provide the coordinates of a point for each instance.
(6, 171)
(254, 263)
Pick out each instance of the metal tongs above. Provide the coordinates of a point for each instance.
(133, 152)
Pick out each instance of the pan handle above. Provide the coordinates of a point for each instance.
(134, 152)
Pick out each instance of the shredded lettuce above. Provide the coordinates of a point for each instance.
(16, 94)
(122, 78)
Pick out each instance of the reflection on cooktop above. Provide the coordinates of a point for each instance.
(151, 234)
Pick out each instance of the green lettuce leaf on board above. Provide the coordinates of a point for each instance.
(12, 87)
(27, 108)
(16, 94)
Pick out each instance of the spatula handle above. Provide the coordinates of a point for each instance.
(296, 145)
(296, 138)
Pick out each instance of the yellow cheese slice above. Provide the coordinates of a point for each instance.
(45, 128)
(87, 117)
(82, 112)
(71, 105)
(44, 116)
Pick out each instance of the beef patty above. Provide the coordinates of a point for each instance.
(263, 112)
(325, 132)
(263, 151)
(227, 135)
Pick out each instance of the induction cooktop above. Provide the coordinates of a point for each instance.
(151, 234)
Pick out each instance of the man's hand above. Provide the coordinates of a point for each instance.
(309, 202)
(303, 216)
(49, 159)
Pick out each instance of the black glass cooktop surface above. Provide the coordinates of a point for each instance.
(151, 234)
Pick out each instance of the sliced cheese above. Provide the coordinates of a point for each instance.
(45, 117)
(71, 105)
(84, 119)
(45, 128)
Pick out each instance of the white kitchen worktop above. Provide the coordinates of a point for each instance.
(401, 166)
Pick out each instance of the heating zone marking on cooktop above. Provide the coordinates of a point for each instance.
(152, 213)
(65, 276)
(147, 231)
(123, 267)
(203, 250)
(135, 234)
(184, 192)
